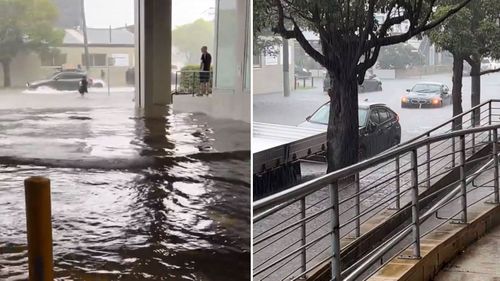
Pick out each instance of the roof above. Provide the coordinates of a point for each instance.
(430, 83)
(365, 104)
(100, 36)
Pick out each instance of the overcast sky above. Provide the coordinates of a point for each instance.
(117, 13)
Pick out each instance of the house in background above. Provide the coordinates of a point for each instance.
(268, 70)
(115, 47)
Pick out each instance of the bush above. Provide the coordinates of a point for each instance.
(400, 56)
(190, 79)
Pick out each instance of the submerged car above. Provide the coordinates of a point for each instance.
(427, 94)
(379, 127)
(66, 80)
(371, 84)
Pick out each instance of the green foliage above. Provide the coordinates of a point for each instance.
(190, 78)
(472, 32)
(27, 25)
(189, 38)
(399, 56)
(350, 35)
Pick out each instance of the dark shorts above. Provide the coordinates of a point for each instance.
(204, 77)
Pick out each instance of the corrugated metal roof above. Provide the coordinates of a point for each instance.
(116, 36)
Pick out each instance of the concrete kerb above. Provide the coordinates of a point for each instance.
(441, 246)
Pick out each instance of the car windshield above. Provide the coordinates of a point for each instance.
(426, 88)
(321, 116)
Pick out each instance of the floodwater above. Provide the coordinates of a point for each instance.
(132, 198)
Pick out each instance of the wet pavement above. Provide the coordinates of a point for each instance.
(133, 198)
(293, 110)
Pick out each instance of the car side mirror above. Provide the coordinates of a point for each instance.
(408, 90)
(57, 78)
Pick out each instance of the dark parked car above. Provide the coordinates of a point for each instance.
(379, 127)
(427, 94)
(371, 84)
(302, 72)
(66, 80)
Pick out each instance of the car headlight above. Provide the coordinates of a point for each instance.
(436, 101)
(404, 99)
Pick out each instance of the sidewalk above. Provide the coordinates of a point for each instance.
(479, 262)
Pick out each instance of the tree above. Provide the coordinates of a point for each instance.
(189, 38)
(399, 56)
(470, 35)
(351, 39)
(26, 25)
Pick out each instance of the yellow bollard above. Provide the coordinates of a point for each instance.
(39, 224)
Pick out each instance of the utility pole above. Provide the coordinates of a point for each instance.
(85, 39)
(286, 69)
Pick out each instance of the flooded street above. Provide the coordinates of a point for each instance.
(133, 198)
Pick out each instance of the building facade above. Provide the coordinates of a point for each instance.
(111, 51)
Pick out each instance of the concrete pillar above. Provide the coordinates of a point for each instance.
(153, 21)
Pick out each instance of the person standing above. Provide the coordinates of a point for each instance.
(206, 61)
(83, 86)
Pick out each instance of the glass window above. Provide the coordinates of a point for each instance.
(227, 31)
(426, 88)
(383, 115)
(52, 59)
(323, 113)
(374, 117)
(257, 60)
(95, 59)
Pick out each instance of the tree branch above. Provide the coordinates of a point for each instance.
(489, 71)
(297, 34)
(424, 27)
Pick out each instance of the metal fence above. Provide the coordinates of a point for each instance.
(187, 82)
(311, 227)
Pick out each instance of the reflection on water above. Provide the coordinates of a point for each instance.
(133, 198)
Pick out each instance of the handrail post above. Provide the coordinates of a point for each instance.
(303, 235)
(489, 119)
(453, 146)
(39, 228)
(414, 205)
(194, 83)
(176, 88)
(495, 170)
(473, 143)
(428, 152)
(398, 184)
(463, 183)
(335, 228)
(358, 207)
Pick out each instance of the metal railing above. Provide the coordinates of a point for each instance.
(297, 232)
(187, 82)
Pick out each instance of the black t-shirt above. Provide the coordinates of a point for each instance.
(206, 61)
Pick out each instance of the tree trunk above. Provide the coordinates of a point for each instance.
(343, 129)
(6, 72)
(475, 95)
(458, 68)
